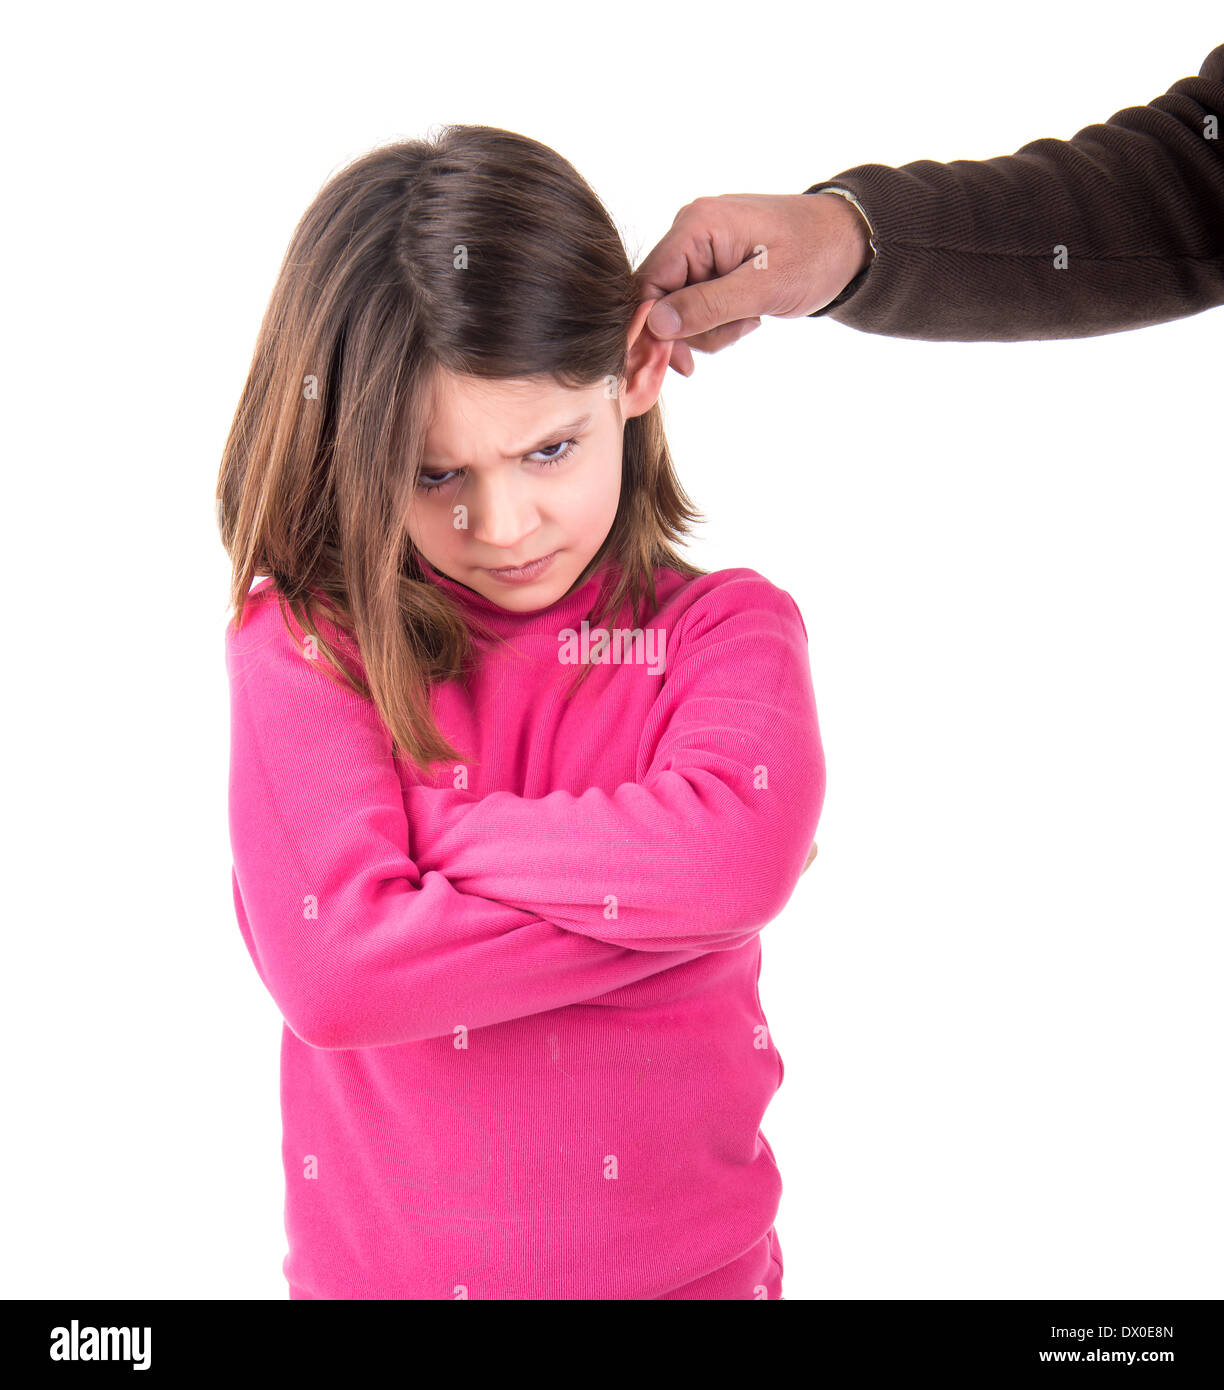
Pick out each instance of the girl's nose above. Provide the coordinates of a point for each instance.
(504, 514)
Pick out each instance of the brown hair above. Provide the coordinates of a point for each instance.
(322, 458)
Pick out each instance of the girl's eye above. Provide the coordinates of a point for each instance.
(429, 483)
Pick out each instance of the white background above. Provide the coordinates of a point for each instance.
(996, 991)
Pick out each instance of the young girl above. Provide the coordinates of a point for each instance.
(513, 787)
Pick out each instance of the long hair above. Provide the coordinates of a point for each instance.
(480, 252)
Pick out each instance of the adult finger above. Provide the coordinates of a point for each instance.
(723, 336)
(744, 293)
(681, 348)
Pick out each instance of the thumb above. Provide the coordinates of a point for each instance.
(698, 308)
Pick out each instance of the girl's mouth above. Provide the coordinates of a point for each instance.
(519, 574)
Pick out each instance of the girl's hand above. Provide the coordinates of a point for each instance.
(810, 857)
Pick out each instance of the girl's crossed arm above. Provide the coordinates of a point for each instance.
(707, 846)
(356, 944)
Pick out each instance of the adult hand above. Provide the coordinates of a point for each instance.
(728, 260)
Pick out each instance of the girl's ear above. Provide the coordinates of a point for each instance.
(646, 362)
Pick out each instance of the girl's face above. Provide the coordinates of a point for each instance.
(515, 471)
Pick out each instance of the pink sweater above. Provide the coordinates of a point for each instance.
(524, 1055)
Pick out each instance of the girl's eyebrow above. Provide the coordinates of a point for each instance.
(573, 425)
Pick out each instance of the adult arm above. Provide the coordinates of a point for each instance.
(706, 845)
(966, 250)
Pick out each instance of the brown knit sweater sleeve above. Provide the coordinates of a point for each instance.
(970, 250)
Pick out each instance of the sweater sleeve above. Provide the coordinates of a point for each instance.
(969, 250)
(706, 846)
(358, 946)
